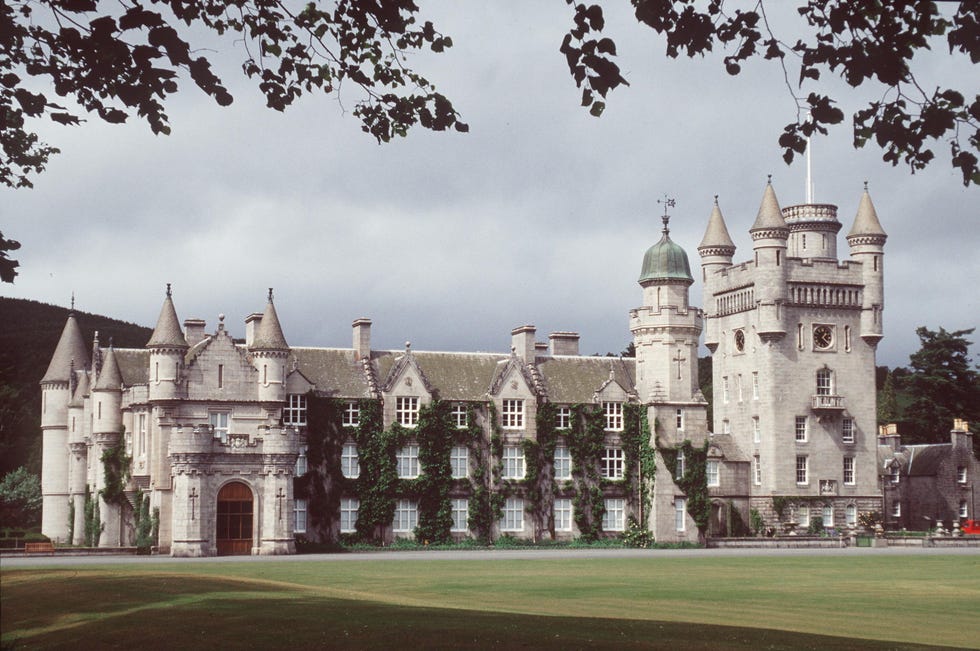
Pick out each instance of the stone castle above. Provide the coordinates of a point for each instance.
(214, 429)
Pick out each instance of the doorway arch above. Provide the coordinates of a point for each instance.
(234, 521)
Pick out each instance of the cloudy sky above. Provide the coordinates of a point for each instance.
(541, 214)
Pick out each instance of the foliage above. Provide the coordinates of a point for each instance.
(115, 464)
(694, 482)
(155, 526)
(756, 522)
(93, 521)
(870, 519)
(20, 499)
(143, 521)
(486, 506)
(860, 42)
(816, 526)
(779, 504)
(323, 482)
(638, 453)
(539, 456)
(888, 411)
(435, 438)
(736, 525)
(586, 442)
(71, 520)
(8, 266)
(637, 535)
(378, 481)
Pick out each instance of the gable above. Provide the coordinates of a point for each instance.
(219, 370)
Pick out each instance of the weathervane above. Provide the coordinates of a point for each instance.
(668, 203)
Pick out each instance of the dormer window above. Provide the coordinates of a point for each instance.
(896, 476)
(294, 413)
(407, 411)
(512, 414)
(614, 416)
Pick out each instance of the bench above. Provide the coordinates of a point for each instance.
(38, 547)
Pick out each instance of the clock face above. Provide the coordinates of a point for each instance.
(739, 340)
(823, 337)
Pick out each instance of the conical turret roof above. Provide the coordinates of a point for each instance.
(866, 221)
(71, 347)
(110, 379)
(269, 335)
(81, 390)
(665, 261)
(716, 235)
(167, 334)
(770, 216)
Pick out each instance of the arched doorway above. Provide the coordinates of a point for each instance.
(234, 521)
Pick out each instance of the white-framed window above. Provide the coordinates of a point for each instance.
(513, 518)
(681, 462)
(828, 517)
(802, 469)
(407, 411)
(513, 462)
(896, 509)
(407, 460)
(299, 515)
(724, 389)
(713, 474)
(613, 463)
(757, 470)
(350, 463)
(348, 514)
(459, 460)
(824, 382)
(961, 474)
(895, 473)
(614, 519)
(756, 430)
(294, 413)
(460, 513)
(680, 513)
(614, 416)
(563, 514)
(563, 462)
(406, 516)
(964, 509)
(301, 465)
(564, 417)
(755, 385)
(803, 516)
(141, 433)
(680, 420)
(849, 471)
(219, 425)
(851, 515)
(847, 430)
(352, 414)
(738, 386)
(512, 414)
(726, 426)
(800, 429)
(459, 415)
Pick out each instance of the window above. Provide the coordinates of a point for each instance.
(738, 386)
(726, 426)
(964, 509)
(828, 517)
(301, 467)
(564, 417)
(823, 382)
(757, 470)
(756, 431)
(712, 473)
(896, 470)
(513, 519)
(221, 374)
(614, 416)
(460, 511)
(512, 415)
(407, 411)
(799, 336)
(849, 471)
(294, 413)
(896, 509)
(961, 474)
(459, 415)
(142, 433)
(851, 515)
(352, 414)
(350, 465)
(614, 519)
(407, 459)
(724, 389)
(679, 474)
(800, 429)
(513, 462)
(847, 339)
(802, 469)
(680, 513)
(613, 462)
(803, 516)
(847, 430)
(563, 514)
(563, 462)
(299, 515)
(219, 425)
(406, 516)
(348, 514)
(755, 385)
(459, 460)
(680, 420)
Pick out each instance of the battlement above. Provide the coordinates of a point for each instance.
(810, 212)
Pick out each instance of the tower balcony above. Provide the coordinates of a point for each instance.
(827, 403)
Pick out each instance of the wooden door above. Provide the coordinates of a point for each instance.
(234, 521)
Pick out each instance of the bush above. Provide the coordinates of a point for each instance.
(636, 536)
(20, 499)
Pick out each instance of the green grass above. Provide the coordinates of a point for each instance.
(656, 602)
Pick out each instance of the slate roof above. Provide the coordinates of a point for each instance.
(134, 365)
(866, 221)
(333, 371)
(728, 447)
(167, 333)
(924, 460)
(716, 234)
(71, 346)
(770, 216)
(81, 390)
(269, 335)
(110, 378)
(574, 380)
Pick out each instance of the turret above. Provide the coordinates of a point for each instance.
(167, 348)
(716, 251)
(78, 459)
(813, 229)
(106, 434)
(269, 354)
(769, 235)
(867, 242)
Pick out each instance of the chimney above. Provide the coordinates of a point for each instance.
(564, 343)
(252, 323)
(522, 342)
(540, 349)
(961, 436)
(194, 331)
(362, 338)
(888, 435)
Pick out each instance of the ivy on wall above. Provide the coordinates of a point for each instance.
(435, 438)
(93, 521)
(539, 485)
(71, 520)
(115, 464)
(323, 482)
(639, 455)
(486, 506)
(694, 482)
(586, 442)
(143, 522)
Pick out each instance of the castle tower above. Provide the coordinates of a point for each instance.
(867, 242)
(167, 348)
(769, 235)
(269, 354)
(106, 435)
(56, 387)
(716, 251)
(78, 460)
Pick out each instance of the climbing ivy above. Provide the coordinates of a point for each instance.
(115, 464)
(378, 484)
(586, 442)
(435, 438)
(635, 439)
(323, 483)
(143, 522)
(539, 457)
(694, 482)
(93, 521)
(486, 506)
(71, 520)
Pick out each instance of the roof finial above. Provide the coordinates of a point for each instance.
(668, 203)
(270, 294)
(168, 290)
(408, 346)
(865, 189)
(716, 199)
(809, 176)
(769, 179)
(73, 293)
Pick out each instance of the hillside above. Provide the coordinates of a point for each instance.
(27, 341)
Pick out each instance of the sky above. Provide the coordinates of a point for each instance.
(540, 215)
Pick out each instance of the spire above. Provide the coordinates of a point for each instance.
(167, 334)
(866, 221)
(70, 348)
(770, 216)
(110, 379)
(269, 335)
(716, 236)
(82, 390)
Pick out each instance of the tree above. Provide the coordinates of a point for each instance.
(115, 60)
(8, 267)
(20, 499)
(944, 384)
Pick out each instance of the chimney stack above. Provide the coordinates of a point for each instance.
(362, 338)
(522, 342)
(564, 343)
(194, 331)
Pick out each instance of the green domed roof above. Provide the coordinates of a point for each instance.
(665, 260)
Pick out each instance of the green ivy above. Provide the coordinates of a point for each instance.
(435, 438)
(115, 464)
(586, 442)
(323, 483)
(144, 524)
(694, 482)
(93, 521)
(155, 526)
(486, 507)
(378, 484)
(71, 520)
(639, 453)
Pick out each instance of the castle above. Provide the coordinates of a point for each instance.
(217, 431)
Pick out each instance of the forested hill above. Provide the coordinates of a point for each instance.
(28, 336)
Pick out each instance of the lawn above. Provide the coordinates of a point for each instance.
(656, 602)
